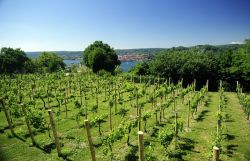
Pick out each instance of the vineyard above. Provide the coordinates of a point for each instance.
(84, 116)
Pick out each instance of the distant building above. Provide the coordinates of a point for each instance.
(132, 57)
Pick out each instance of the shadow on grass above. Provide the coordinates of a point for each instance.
(2, 156)
(154, 131)
(230, 149)
(229, 137)
(228, 118)
(201, 116)
(161, 124)
(18, 137)
(187, 144)
(131, 154)
(184, 145)
(1, 131)
(97, 144)
(48, 148)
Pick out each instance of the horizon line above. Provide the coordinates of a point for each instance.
(232, 43)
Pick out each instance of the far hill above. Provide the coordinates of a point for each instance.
(73, 55)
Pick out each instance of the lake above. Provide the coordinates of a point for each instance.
(125, 65)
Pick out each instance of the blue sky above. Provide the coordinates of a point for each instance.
(49, 25)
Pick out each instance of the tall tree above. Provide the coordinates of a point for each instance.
(12, 60)
(50, 62)
(98, 56)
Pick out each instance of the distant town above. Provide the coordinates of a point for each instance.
(132, 57)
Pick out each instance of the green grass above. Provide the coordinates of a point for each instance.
(235, 145)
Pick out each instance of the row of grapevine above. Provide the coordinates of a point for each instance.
(114, 107)
(244, 101)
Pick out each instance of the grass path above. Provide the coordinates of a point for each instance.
(202, 130)
(15, 150)
(236, 131)
(238, 140)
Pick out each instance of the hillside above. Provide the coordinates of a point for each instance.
(73, 55)
(171, 124)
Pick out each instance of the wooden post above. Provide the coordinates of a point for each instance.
(188, 113)
(28, 125)
(97, 97)
(85, 104)
(216, 153)
(156, 120)
(53, 125)
(91, 147)
(174, 101)
(237, 86)
(141, 147)
(176, 124)
(218, 128)
(194, 84)
(110, 117)
(7, 116)
(207, 84)
(139, 120)
(115, 99)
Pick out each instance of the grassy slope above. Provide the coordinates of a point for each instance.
(202, 131)
(236, 132)
(239, 128)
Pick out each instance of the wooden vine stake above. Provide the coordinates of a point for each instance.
(91, 147)
(53, 125)
(139, 120)
(141, 147)
(216, 153)
(176, 124)
(28, 124)
(188, 119)
(7, 116)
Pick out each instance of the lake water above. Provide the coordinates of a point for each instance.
(125, 65)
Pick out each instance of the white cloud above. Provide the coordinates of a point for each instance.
(236, 42)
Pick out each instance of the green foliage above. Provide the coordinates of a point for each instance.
(98, 56)
(166, 136)
(77, 104)
(98, 120)
(14, 61)
(50, 62)
(149, 154)
(146, 116)
(213, 63)
(123, 111)
(37, 119)
(140, 69)
(94, 108)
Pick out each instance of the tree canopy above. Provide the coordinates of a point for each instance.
(203, 62)
(99, 56)
(13, 61)
(50, 62)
